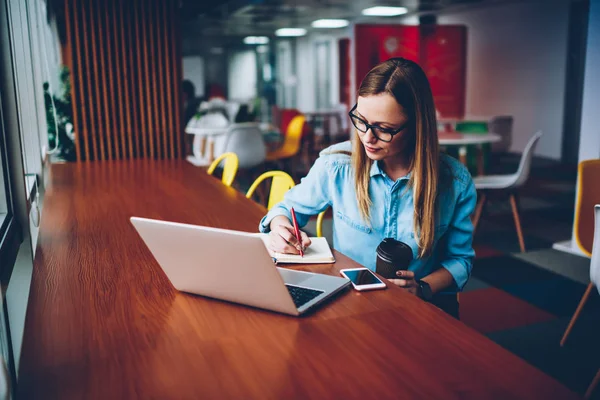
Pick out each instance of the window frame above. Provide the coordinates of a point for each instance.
(11, 235)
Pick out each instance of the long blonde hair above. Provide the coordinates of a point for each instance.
(408, 84)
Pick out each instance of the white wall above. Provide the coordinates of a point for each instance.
(589, 141)
(242, 75)
(516, 65)
(193, 70)
(305, 67)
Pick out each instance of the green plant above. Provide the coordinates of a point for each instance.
(62, 107)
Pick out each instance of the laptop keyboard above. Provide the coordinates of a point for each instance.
(302, 295)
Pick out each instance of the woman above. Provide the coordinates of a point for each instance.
(391, 181)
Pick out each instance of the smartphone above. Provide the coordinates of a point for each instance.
(363, 279)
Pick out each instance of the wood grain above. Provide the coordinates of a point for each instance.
(104, 322)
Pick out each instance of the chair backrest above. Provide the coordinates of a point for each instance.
(588, 195)
(293, 135)
(522, 173)
(286, 115)
(280, 184)
(320, 224)
(246, 140)
(229, 169)
(595, 262)
(501, 125)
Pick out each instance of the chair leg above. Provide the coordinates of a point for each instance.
(478, 211)
(513, 203)
(590, 390)
(575, 316)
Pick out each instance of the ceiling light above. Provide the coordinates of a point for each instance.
(256, 40)
(384, 11)
(290, 32)
(330, 23)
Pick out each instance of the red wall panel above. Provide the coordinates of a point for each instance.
(443, 58)
(344, 63)
(439, 49)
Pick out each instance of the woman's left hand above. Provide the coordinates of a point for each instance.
(406, 280)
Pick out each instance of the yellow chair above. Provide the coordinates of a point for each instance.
(229, 169)
(293, 138)
(280, 184)
(588, 194)
(320, 223)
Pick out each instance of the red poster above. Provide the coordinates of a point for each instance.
(439, 49)
(443, 58)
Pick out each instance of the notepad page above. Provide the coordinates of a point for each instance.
(317, 253)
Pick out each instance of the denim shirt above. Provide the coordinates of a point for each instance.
(330, 183)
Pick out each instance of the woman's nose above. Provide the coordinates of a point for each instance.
(370, 137)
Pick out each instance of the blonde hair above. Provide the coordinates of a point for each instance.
(408, 84)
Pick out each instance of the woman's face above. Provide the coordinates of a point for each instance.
(385, 112)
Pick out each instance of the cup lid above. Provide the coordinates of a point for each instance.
(392, 250)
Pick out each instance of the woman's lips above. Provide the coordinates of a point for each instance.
(371, 149)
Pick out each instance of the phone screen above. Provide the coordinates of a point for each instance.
(362, 277)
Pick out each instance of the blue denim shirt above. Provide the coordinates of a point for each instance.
(330, 183)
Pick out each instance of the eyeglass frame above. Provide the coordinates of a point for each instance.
(392, 132)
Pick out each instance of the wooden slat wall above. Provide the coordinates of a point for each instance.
(125, 78)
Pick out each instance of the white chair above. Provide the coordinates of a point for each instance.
(507, 183)
(246, 140)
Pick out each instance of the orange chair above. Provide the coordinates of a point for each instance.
(291, 144)
(588, 195)
(285, 116)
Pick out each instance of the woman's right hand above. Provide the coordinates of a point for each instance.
(282, 238)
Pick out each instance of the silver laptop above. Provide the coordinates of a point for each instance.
(233, 266)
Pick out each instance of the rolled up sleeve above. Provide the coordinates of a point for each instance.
(458, 258)
(308, 198)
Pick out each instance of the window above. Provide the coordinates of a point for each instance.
(22, 125)
(3, 186)
(9, 232)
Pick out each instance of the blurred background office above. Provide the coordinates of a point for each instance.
(272, 81)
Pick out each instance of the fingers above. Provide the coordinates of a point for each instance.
(278, 244)
(408, 279)
(405, 283)
(404, 274)
(305, 239)
(283, 240)
(398, 282)
(290, 236)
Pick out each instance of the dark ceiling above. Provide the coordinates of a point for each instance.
(263, 17)
(226, 21)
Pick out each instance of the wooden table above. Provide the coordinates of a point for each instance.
(104, 322)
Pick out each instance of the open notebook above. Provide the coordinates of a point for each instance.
(317, 253)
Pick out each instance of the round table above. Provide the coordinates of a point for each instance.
(200, 158)
(463, 140)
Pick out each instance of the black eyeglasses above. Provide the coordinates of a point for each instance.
(383, 134)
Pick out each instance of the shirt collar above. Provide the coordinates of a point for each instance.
(376, 170)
